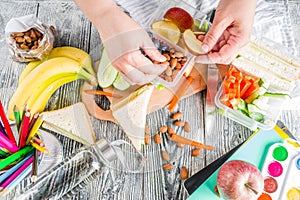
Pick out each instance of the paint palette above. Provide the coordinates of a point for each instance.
(281, 172)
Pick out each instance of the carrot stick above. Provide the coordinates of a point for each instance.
(183, 140)
(100, 92)
(180, 92)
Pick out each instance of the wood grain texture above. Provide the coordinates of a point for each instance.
(74, 29)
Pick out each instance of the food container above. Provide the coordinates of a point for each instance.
(29, 39)
(174, 37)
(261, 106)
(176, 54)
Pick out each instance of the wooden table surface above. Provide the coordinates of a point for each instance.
(74, 29)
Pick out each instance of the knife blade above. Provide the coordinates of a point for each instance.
(211, 91)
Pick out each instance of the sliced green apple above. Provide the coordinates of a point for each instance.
(167, 29)
(192, 43)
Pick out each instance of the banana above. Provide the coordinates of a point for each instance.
(74, 53)
(29, 67)
(44, 74)
(39, 98)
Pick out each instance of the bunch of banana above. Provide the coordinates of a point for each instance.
(40, 79)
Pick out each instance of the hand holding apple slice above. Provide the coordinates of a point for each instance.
(239, 180)
(192, 43)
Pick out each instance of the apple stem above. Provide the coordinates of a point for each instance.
(251, 188)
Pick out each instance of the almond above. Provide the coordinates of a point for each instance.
(184, 173)
(165, 155)
(177, 115)
(187, 127)
(196, 152)
(167, 166)
(163, 129)
(147, 129)
(157, 138)
(179, 123)
(147, 139)
(170, 130)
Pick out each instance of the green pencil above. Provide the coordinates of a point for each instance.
(17, 116)
(19, 154)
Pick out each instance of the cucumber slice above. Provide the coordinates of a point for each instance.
(120, 83)
(106, 73)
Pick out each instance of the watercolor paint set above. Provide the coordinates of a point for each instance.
(281, 172)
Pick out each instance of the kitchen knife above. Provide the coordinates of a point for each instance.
(211, 91)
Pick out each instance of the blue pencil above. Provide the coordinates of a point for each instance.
(17, 180)
(15, 167)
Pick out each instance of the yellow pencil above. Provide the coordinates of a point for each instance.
(41, 149)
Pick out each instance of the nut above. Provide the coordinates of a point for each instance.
(147, 130)
(186, 127)
(147, 139)
(184, 173)
(167, 166)
(196, 152)
(163, 129)
(28, 40)
(179, 123)
(165, 155)
(157, 138)
(177, 115)
(170, 130)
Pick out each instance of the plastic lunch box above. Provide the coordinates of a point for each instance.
(279, 73)
(200, 20)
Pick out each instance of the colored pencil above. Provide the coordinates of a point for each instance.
(6, 124)
(33, 120)
(35, 128)
(41, 149)
(17, 173)
(3, 153)
(17, 180)
(9, 172)
(35, 166)
(2, 129)
(24, 129)
(38, 141)
(7, 143)
(14, 157)
(17, 117)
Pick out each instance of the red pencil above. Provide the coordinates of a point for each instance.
(24, 129)
(6, 124)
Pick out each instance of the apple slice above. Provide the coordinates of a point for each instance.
(192, 43)
(180, 17)
(167, 29)
(238, 179)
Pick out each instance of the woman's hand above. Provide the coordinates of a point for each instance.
(230, 31)
(127, 44)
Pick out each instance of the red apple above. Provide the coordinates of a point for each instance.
(239, 180)
(180, 17)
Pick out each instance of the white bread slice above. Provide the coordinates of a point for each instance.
(131, 114)
(72, 121)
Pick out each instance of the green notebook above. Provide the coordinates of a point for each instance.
(254, 150)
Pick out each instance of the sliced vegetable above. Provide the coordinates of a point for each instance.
(106, 73)
(248, 94)
(120, 83)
